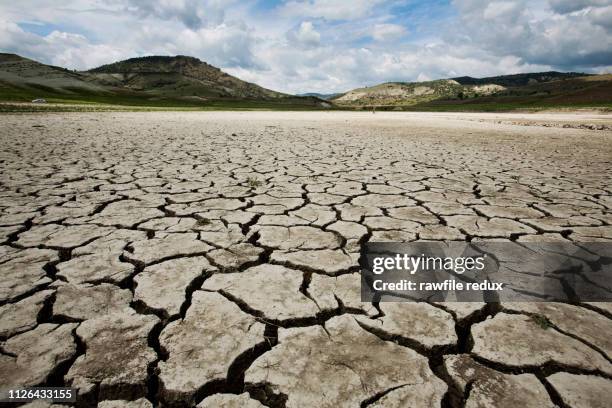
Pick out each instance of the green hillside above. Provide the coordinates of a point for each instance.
(542, 90)
(163, 82)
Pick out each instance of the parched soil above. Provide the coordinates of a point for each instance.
(210, 259)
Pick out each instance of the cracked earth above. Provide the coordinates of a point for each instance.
(210, 259)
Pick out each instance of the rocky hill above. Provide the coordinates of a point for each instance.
(177, 76)
(500, 92)
(515, 80)
(147, 81)
(572, 91)
(412, 93)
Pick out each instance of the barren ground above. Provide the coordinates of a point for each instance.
(210, 258)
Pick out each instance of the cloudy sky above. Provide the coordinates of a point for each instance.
(319, 45)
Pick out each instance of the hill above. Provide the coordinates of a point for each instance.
(177, 76)
(17, 72)
(573, 92)
(160, 81)
(516, 80)
(507, 92)
(182, 81)
(412, 93)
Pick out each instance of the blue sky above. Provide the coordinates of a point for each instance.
(320, 45)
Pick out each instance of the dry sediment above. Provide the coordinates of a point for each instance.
(244, 228)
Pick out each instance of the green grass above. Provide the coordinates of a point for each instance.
(15, 99)
(19, 100)
(541, 321)
(253, 182)
(203, 221)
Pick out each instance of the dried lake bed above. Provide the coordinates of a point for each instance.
(210, 258)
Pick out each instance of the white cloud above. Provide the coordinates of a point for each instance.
(187, 11)
(320, 45)
(306, 35)
(121, 31)
(63, 49)
(330, 9)
(194, 14)
(569, 6)
(423, 77)
(386, 32)
(601, 16)
(502, 9)
(525, 30)
(326, 68)
(74, 51)
(224, 45)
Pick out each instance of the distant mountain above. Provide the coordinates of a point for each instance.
(540, 88)
(147, 81)
(320, 95)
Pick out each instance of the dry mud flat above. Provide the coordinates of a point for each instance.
(209, 259)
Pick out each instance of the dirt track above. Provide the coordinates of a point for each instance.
(185, 257)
